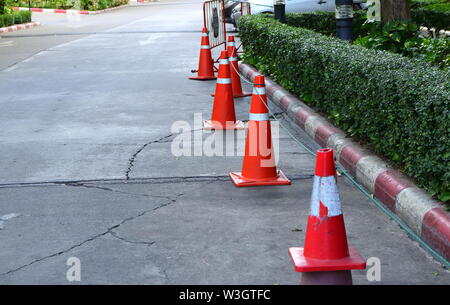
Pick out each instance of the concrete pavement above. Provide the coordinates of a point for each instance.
(87, 168)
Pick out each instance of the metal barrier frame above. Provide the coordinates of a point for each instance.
(208, 15)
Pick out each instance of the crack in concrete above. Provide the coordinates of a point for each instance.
(133, 157)
(164, 139)
(90, 239)
(116, 235)
(153, 180)
(104, 188)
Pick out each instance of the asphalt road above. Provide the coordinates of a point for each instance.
(88, 171)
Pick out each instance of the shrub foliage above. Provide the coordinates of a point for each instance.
(325, 22)
(90, 5)
(400, 106)
(15, 18)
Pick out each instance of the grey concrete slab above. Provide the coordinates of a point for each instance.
(52, 220)
(207, 232)
(64, 108)
(57, 29)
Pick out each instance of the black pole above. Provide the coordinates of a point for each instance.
(280, 12)
(344, 19)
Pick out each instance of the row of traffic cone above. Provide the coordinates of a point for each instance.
(326, 257)
(259, 166)
(205, 69)
(259, 163)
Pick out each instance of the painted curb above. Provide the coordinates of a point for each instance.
(424, 215)
(19, 27)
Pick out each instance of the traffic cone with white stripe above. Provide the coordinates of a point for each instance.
(326, 258)
(223, 114)
(235, 77)
(206, 65)
(230, 44)
(259, 167)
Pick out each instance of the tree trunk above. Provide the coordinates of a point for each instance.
(395, 10)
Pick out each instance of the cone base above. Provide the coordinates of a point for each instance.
(244, 94)
(214, 125)
(203, 78)
(303, 264)
(241, 181)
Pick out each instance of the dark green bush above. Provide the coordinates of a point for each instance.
(403, 37)
(431, 13)
(395, 36)
(15, 18)
(431, 18)
(435, 51)
(59, 4)
(324, 22)
(442, 5)
(400, 106)
(70, 4)
(2, 7)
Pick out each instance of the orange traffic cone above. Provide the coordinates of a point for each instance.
(235, 78)
(223, 115)
(259, 164)
(206, 65)
(230, 44)
(326, 257)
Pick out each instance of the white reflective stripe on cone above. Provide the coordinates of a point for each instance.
(204, 34)
(232, 58)
(223, 62)
(204, 47)
(224, 81)
(259, 90)
(325, 190)
(258, 117)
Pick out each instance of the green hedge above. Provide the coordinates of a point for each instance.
(431, 18)
(15, 18)
(91, 5)
(325, 22)
(59, 4)
(442, 5)
(400, 106)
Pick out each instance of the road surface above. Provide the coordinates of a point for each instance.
(88, 171)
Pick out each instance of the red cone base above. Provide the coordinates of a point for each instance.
(239, 180)
(244, 94)
(305, 264)
(214, 125)
(203, 78)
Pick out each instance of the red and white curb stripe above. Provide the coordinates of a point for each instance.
(19, 27)
(424, 215)
(69, 12)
